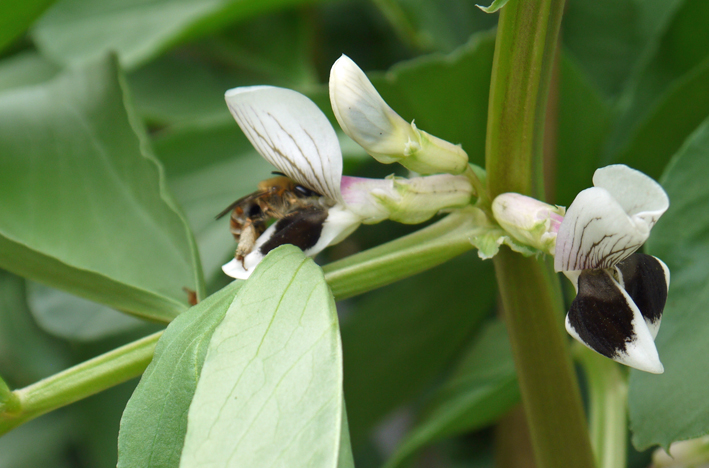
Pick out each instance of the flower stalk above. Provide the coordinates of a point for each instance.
(78, 382)
(524, 50)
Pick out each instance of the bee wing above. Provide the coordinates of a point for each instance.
(245, 199)
(291, 132)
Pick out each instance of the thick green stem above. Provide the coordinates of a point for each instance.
(402, 257)
(524, 51)
(81, 381)
(608, 407)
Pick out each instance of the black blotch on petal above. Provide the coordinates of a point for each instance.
(600, 314)
(644, 281)
(301, 228)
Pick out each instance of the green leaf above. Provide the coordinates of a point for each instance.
(270, 391)
(482, 388)
(27, 354)
(674, 406)
(138, 30)
(679, 48)
(25, 69)
(494, 6)
(399, 338)
(584, 123)
(83, 203)
(16, 17)
(606, 38)
(45, 442)
(428, 89)
(670, 121)
(155, 419)
(73, 318)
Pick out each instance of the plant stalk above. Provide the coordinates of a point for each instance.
(524, 55)
(608, 407)
(78, 382)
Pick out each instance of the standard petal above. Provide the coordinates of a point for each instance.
(643, 199)
(363, 114)
(646, 279)
(596, 233)
(604, 318)
(291, 132)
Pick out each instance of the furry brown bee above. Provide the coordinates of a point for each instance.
(277, 198)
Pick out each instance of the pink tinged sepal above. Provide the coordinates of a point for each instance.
(291, 133)
(409, 201)
(609, 222)
(528, 220)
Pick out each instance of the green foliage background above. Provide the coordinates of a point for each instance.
(116, 152)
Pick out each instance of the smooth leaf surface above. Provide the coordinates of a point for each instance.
(138, 30)
(27, 354)
(155, 419)
(73, 318)
(583, 125)
(424, 320)
(16, 17)
(606, 37)
(25, 69)
(680, 47)
(674, 406)
(671, 120)
(83, 204)
(270, 392)
(493, 7)
(481, 389)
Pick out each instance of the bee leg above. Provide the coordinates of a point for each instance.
(247, 240)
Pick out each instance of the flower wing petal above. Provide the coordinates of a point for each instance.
(292, 133)
(604, 318)
(643, 199)
(596, 233)
(311, 229)
(646, 279)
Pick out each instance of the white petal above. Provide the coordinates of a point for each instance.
(363, 114)
(596, 233)
(643, 199)
(291, 132)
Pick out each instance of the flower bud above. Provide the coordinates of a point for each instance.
(366, 118)
(528, 220)
(408, 201)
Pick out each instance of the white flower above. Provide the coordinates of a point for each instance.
(368, 120)
(620, 293)
(291, 132)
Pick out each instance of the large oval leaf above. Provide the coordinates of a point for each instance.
(83, 203)
(155, 420)
(270, 392)
(674, 406)
(138, 30)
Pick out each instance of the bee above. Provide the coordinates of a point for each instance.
(278, 198)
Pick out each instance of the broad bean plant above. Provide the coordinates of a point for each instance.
(223, 243)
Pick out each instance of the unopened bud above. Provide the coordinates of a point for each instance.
(528, 220)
